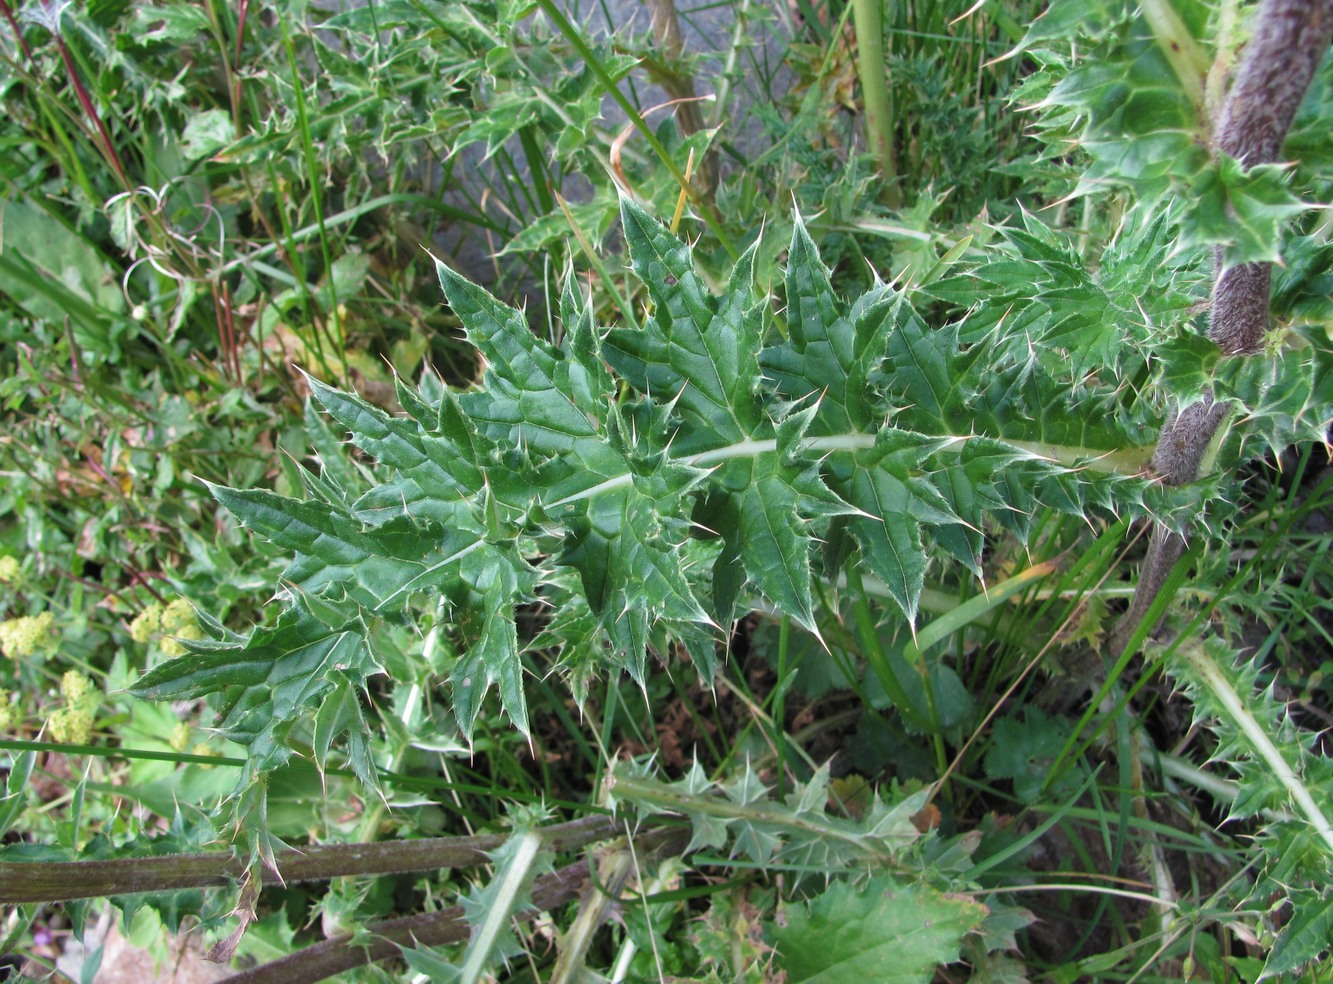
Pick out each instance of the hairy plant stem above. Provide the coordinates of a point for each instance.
(386, 939)
(44, 881)
(663, 797)
(1290, 39)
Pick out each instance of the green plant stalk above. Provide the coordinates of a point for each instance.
(1223, 791)
(1121, 893)
(1129, 648)
(370, 823)
(1188, 60)
(1219, 71)
(59, 881)
(786, 676)
(612, 872)
(514, 876)
(659, 795)
(1108, 463)
(868, 19)
(973, 609)
(1195, 654)
(718, 111)
(347, 216)
(1161, 873)
(668, 872)
(537, 168)
(761, 719)
(71, 164)
(287, 246)
(599, 267)
(889, 670)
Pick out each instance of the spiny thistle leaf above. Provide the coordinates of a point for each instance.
(1305, 937)
(434, 477)
(274, 678)
(1279, 777)
(831, 352)
(697, 350)
(649, 483)
(489, 910)
(798, 834)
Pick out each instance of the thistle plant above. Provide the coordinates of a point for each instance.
(642, 488)
(652, 507)
(846, 468)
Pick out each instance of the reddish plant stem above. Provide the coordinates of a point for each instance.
(339, 954)
(228, 341)
(86, 102)
(14, 26)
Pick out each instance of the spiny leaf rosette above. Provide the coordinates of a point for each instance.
(650, 485)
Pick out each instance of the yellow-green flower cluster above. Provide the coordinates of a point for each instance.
(29, 635)
(180, 736)
(178, 620)
(74, 686)
(9, 571)
(174, 619)
(72, 724)
(147, 623)
(177, 615)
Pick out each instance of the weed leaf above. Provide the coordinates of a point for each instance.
(883, 931)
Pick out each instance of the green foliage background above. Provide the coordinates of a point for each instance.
(759, 501)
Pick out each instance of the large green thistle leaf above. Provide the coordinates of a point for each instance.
(654, 484)
(702, 353)
(830, 351)
(697, 350)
